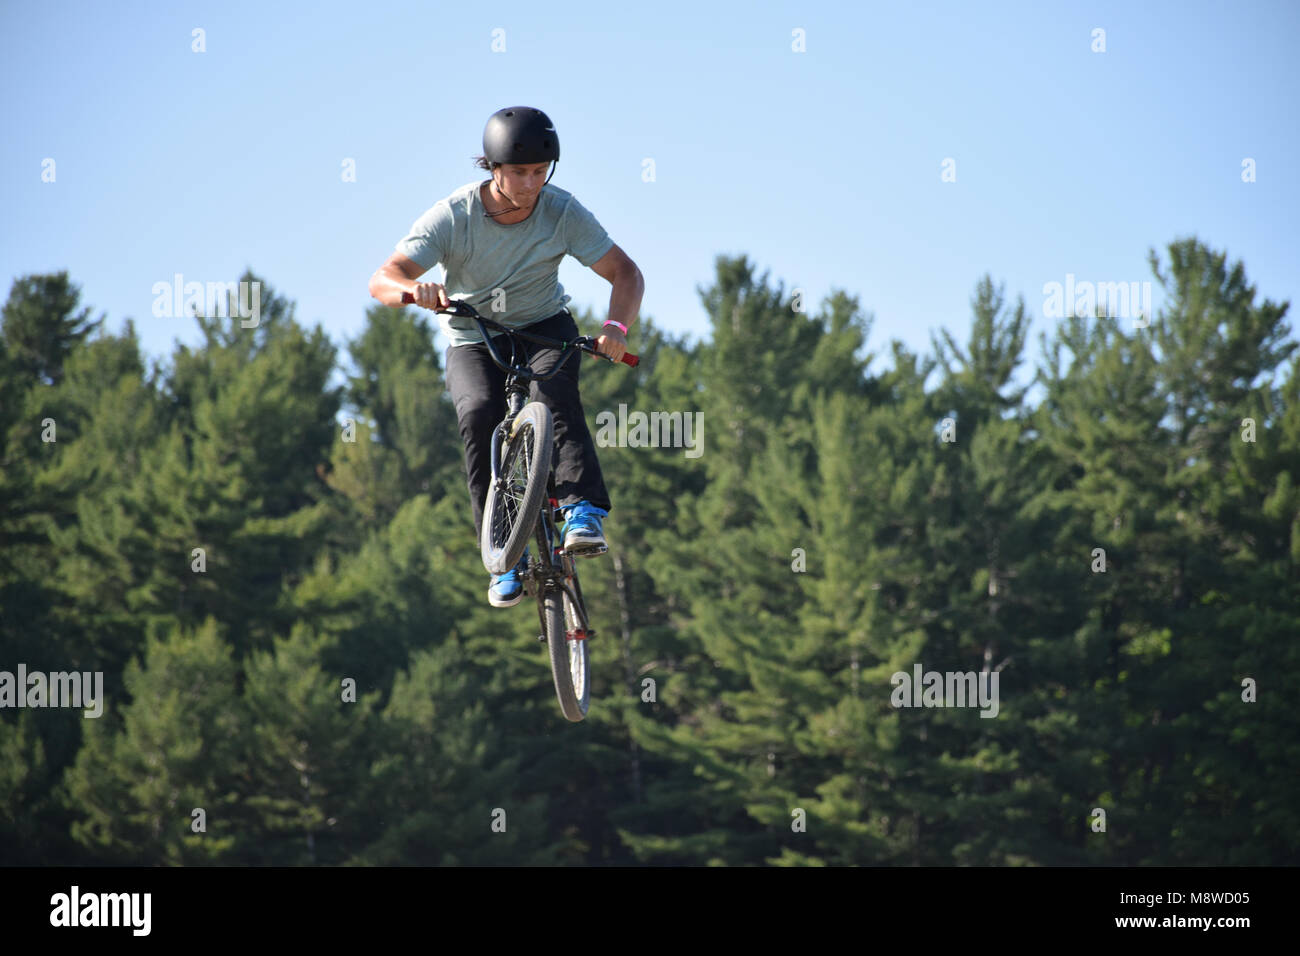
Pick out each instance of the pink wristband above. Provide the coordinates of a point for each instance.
(620, 325)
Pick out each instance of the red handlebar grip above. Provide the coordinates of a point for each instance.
(627, 359)
(408, 299)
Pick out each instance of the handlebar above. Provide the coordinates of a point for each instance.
(584, 343)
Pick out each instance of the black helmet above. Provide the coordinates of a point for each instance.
(521, 134)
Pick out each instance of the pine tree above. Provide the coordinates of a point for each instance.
(170, 742)
(41, 326)
(1219, 352)
(309, 759)
(399, 388)
(448, 783)
(734, 712)
(46, 400)
(234, 496)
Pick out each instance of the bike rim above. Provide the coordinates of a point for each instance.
(576, 639)
(511, 497)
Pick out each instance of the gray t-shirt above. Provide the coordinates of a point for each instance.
(480, 255)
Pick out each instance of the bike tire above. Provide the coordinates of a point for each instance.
(570, 658)
(510, 514)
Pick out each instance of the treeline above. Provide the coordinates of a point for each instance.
(237, 536)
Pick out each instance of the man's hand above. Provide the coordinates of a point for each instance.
(396, 276)
(430, 295)
(612, 343)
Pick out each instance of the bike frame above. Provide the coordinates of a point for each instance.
(516, 376)
(543, 576)
(555, 576)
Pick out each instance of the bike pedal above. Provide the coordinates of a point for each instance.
(588, 551)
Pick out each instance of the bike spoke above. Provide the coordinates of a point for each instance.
(511, 496)
(577, 646)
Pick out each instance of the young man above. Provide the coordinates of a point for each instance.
(501, 242)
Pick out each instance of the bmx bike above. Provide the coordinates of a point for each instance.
(521, 505)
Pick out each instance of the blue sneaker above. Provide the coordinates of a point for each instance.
(583, 536)
(507, 589)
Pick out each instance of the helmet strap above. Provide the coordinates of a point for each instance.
(514, 208)
(500, 212)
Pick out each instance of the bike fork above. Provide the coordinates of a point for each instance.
(547, 535)
(515, 398)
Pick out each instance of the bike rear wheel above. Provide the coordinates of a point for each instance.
(566, 639)
(514, 498)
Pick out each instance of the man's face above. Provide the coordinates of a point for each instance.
(521, 184)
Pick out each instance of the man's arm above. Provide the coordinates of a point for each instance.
(398, 275)
(624, 301)
(622, 273)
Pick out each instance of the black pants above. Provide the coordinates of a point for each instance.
(477, 388)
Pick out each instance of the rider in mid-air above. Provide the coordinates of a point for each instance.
(500, 243)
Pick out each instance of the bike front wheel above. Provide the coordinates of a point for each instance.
(514, 499)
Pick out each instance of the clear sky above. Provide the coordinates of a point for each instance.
(824, 166)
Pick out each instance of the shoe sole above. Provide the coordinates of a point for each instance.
(505, 602)
(585, 548)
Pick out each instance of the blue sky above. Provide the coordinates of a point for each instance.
(824, 166)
